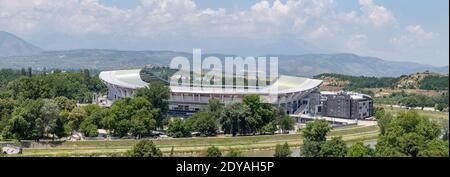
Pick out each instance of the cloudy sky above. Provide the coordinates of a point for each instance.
(400, 30)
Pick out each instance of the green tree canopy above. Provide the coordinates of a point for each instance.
(214, 152)
(359, 150)
(158, 95)
(282, 150)
(204, 123)
(178, 129)
(409, 134)
(335, 147)
(145, 148)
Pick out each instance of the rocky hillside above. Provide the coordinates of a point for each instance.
(421, 80)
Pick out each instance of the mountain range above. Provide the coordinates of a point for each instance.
(17, 53)
(11, 45)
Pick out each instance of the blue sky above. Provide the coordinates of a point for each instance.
(400, 30)
(433, 14)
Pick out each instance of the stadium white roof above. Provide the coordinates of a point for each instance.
(284, 84)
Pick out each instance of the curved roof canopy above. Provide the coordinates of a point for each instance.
(283, 84)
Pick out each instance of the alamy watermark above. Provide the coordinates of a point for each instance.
(249, 75)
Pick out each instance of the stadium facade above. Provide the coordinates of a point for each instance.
(297, 95)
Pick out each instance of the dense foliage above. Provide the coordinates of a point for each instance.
(158, 95)
(214, 152)
(73, 85)
(409, 134)
(145, 148)
(359, 150)
(282, 150)
(363, 81)
(429, 82)
(434, 82)
(415, 100)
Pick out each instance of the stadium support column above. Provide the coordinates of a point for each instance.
(286, 102)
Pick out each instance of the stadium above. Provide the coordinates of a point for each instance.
(294, 94)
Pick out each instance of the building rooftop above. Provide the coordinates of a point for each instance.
(284, 84)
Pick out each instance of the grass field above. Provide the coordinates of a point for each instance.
(188, 145)
(429, 114)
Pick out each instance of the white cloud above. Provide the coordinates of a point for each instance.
(357, 42)
(173, 22)
(379, 16)
(415, 37)
(320, 32)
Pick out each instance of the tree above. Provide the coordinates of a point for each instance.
(214, 105)
(145, 148)
(61, 130)
(26, 121)
(76, 116)
(440, 106)
(383, 120)
(260, 114)
(214, 152)
(64, 103)
(234, 119)
(314, 136)
(89, 129)
(435, 148)
(158, 95)
(359, 150)
(269, 128)
(234, 153)
(142, 123)
(130, 115)
(335, 147)
(316, 130)
(122, 128)
(282, 150)
(29, 72)
(46, 123)
(286, 123)
(311, 148)
(18, 128)
(204, 123)
(178, 129)
(408, 134)
(95, 114)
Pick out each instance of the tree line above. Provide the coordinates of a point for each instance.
(405, 135)
(416, 100)
(249, 117)
(430, 82)
(44, 106)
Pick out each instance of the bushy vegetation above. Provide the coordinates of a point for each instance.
(434, 82)
(315, 143)
(23, 85)
(145, 148)
(214, 152)
(429, 82)
(282, 150)
(357, 82)
(406, 134)
(409, 134)
(415, 100)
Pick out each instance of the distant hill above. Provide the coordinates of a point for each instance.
(17, 53)
(350, 64)
(11, 45)
(420, 80)
(301, 65)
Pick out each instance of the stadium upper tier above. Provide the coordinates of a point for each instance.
(123, 78)
(131, 79)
